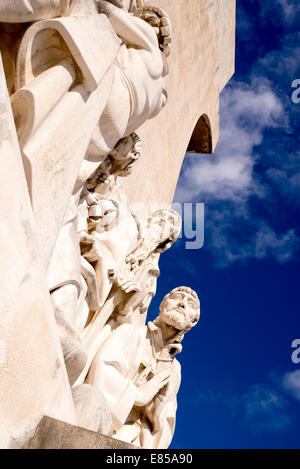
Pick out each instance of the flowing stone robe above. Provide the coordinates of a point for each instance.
(33, 380)
(55, 116)
(113, 246)
(124, 362)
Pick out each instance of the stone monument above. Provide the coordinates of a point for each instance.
(80, 239)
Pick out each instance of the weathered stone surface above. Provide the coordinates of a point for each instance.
(32, 373)
(138, 374)
(54, 434)
(65, 76)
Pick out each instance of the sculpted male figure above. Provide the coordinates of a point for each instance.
(138, 374)
(98, 93)
(129, 280)
(142, 269)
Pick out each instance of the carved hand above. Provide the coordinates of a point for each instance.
(109, 213)
(133, 261)
(151, 388)
(126, 284)
(95, 252)
(129, 286)
(85, 238)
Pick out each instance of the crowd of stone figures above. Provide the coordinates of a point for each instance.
(82, 77)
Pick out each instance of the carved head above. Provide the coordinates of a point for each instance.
(180, 309)
(125, 155)
(101, 174)
(164, 227)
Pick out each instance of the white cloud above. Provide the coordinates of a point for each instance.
(281, 247)
(291, 384)
(222, 179)
(246, 112)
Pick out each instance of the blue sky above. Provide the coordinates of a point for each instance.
(240, 388)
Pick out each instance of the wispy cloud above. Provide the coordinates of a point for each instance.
(281, 247)
(229, 176)
(229, 247)
(289, 8)
(285, 11)
(291, 384)
(265, 410)
(260, 409)
(246, 110)
(255, 162)
(281, 64)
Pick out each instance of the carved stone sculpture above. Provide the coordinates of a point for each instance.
(71, 278)
(141, 270)
(138, 373)
(130, 278)
(64, 138)
(104, 75)
(80, 264)
(103, 215)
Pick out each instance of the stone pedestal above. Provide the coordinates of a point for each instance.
(54, 434)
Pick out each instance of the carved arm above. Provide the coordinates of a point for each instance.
(132, 30)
